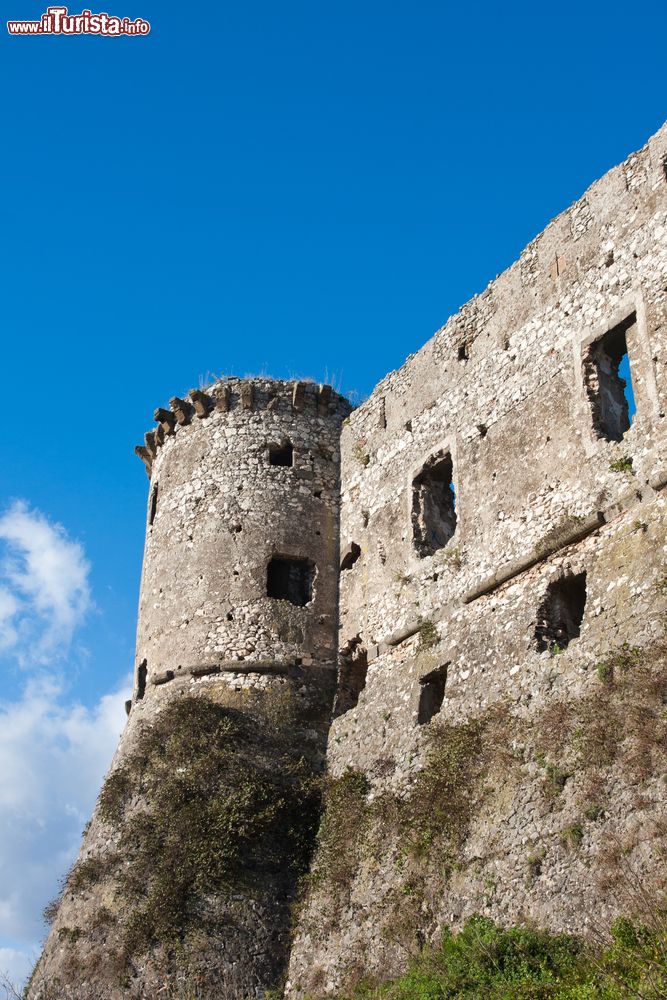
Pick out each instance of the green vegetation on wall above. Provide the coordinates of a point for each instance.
(486, 962)
(569, 756)
(429, 824)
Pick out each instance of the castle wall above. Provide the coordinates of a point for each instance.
(515, 414)
(508, 393)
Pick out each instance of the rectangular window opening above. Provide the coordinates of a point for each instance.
(608, 381)
(561, 613)
(434, 514)
(351, 680)
(432, 694)
(290, 580)
(142, 674)
(281, 454)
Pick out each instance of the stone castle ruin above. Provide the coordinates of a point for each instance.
(452, 599)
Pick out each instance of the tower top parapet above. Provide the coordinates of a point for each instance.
(252, 394)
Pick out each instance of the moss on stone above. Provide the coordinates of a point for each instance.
(428, 635)
(215, 802)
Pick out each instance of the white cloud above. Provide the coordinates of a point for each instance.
(53, 757)
(44, 594)
(54, 752)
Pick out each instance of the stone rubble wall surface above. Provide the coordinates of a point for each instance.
(85, 956)
(515, 863)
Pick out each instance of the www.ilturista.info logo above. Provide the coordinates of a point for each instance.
(57, 21)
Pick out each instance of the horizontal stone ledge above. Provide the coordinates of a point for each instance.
(412, 628)
(204, 671)
(255, 667)
(275, 667)
(241, 667)
(658, 480)
(401, 634)
(397, 637)
(578, 532)
(162, 678)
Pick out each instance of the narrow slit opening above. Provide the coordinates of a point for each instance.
(142, 674)
(351, 680)
(153, 505)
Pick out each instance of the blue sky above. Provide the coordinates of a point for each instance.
(301, 189)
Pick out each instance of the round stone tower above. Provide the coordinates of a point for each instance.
(240, 571)
(185, 880)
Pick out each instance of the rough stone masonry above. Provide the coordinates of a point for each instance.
(459, 589)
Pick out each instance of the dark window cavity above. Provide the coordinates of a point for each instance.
(431, 694)
(290, 580)
(281, 454)
(608, 382)
(350, 556)
(142, 674)
(351, 680)
(434, 505)
(463, 353)
(561, 612)
(153, 504)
